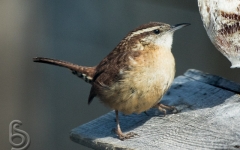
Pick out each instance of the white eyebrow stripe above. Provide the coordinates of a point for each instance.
(143, 30)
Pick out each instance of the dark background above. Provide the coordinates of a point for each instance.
(49, 100)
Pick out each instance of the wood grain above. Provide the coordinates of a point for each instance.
(209, 118)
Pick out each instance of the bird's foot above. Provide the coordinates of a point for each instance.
(164, 108)
(123, 137)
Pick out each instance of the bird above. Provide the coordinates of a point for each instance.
(135, 75)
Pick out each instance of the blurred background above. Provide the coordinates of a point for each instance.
(49, 100)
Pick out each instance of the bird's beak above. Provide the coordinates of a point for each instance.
(178, 26)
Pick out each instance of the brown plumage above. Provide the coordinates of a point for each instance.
(86, 73)
(135, 75)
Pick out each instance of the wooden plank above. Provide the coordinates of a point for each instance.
(209, 118)
(213, 80)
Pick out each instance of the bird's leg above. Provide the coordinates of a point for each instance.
(119, 131)
(163, 108)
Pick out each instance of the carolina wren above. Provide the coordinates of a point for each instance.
(135, 75)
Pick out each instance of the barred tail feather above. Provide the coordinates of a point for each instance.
(85, 73)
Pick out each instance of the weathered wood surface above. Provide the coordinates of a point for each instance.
(209, 118)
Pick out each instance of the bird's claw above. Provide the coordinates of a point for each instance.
(127, 136)
(123, 137)
(164, 108)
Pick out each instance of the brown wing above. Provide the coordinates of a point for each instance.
(107, 72)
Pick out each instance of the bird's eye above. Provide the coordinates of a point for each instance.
(157, 31)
